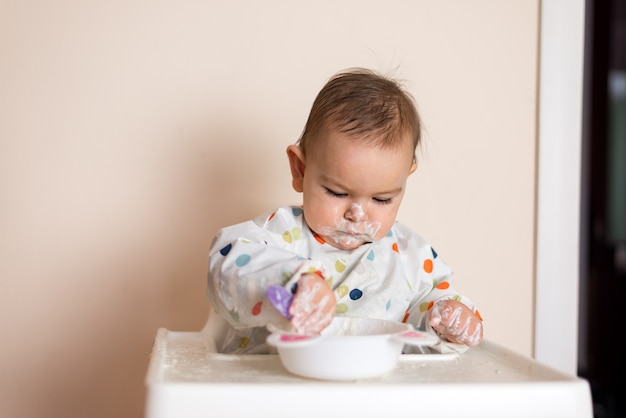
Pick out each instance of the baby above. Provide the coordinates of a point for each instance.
(341, 252)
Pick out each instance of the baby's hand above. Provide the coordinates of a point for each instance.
(456, 322)
(313, 305)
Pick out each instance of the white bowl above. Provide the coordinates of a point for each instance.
(348, 349)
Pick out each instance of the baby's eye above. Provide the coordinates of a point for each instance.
(382, 201)
(334, 194)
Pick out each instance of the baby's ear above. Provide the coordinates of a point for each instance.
(296, 164)
(413, 167)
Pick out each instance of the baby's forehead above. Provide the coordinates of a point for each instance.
(376, 140)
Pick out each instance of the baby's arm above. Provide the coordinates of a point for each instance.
(243, 264)
(449, 314)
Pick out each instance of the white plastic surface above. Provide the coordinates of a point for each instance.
(187, 379)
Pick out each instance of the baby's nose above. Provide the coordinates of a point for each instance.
(355, 213)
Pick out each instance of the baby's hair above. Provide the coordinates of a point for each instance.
(363, 104)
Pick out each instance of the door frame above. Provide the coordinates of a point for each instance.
(560, 116)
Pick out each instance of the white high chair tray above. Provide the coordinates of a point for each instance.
(186, 378)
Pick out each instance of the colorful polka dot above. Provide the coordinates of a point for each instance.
(424, 306)
(340, 265)
(296, 211)
(434, 252)
(443, 285)
(242, 260)
(388, 305)
(296, 233)
(371, 256)
(271, 216)
(319, 239)
(356, 294)
(224, 251)
(341, 308)
(234, 314)
(243, 342)
(428, 265)
(256, 309)
(287, 237)
(406, 317)
(341, 291)
(478, 315)
(395, 247)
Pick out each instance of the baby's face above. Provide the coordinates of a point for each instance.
(352, 191)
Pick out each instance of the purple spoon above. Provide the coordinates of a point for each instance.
(281, 299)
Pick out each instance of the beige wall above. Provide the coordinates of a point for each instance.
(131, 130)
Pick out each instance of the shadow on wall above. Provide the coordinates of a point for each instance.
(152, 274)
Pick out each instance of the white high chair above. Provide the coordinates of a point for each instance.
(187, 378)
(215, 330)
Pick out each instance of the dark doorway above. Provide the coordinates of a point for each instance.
(602, 361)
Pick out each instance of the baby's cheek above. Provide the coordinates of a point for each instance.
(384, 221)
(382, 231)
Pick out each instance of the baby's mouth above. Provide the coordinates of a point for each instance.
(351, 232)
(355, 234)
(349, 238)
